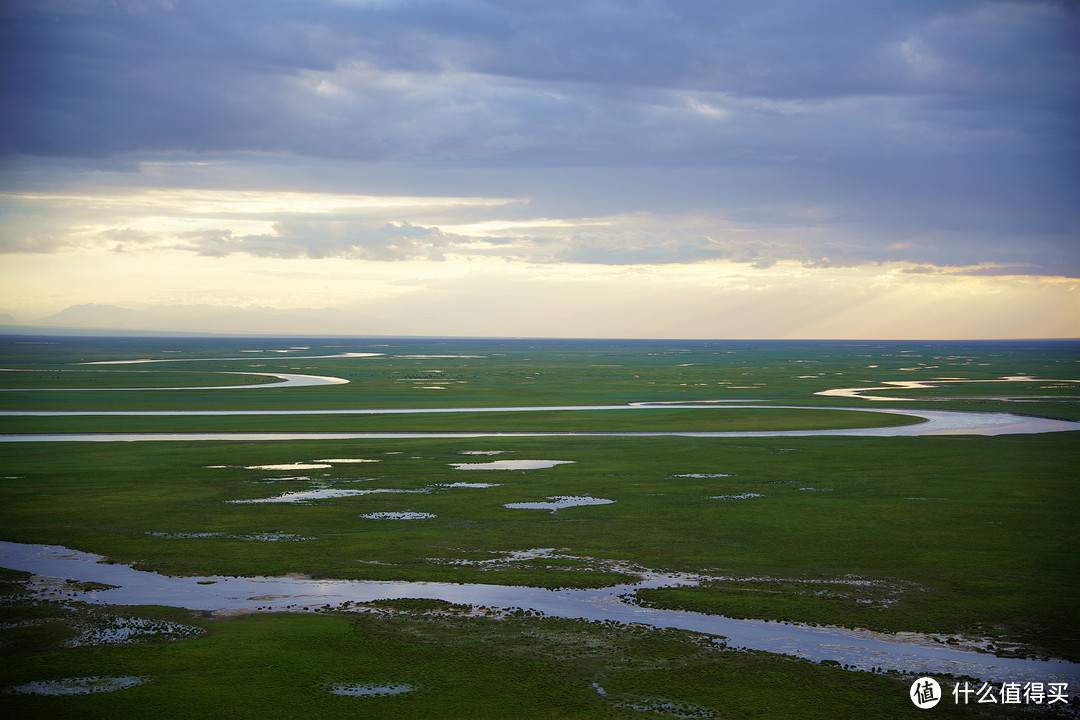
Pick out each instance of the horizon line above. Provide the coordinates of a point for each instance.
(102, 333)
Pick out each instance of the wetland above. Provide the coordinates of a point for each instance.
(692, 462)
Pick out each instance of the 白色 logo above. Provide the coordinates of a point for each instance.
(925, 693)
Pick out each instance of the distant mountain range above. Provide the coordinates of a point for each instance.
(194, 319)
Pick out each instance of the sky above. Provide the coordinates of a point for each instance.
(901, 169)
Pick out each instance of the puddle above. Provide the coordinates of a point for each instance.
(814, 489)
(116, 630)
(510, 557)
(249, 537)
(398, 516)
(358, 690)
(703, 475)
(860, 649)
(290, 466)
(322, 493)
(75, 686)
(482, 452)
(684, 711)
(558, 502)
(468, 485)
(341, 461)
(740, 496)
(511, 465)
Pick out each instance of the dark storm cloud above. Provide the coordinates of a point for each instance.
(926, 131)
(604, 80)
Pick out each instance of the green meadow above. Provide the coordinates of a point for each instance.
(639, 420)
(956, 534)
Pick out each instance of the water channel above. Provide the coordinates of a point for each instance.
(934, 422)
(291, 380)
(859, 649)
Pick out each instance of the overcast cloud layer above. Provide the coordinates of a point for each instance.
(939, 135)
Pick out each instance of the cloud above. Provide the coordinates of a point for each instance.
(598, 82)
(391, 242)
(646, 131)
(286, 225)
(326, 225)
(222, 222)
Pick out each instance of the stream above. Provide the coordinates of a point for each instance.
(934, 422)
(859, 649)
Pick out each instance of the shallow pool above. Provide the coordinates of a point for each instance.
(75, 686)
(511, 465)
(558, 502)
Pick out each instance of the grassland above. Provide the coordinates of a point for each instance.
(637, 420)
(954, 534)
(69, 380)
(282, 665)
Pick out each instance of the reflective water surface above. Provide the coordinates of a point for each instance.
(75, 686)
(858, 648)
(558, 502)
(398, 516)
(861, 392)
(511, 465)
(319, 493)
(283, 380)
(360, 690)
(934, 422)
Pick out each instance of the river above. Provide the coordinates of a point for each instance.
(859, 649)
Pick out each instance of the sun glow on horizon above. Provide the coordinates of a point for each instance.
(718, 298)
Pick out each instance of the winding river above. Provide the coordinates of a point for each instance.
(859, 649)
(934, 422)
(283, 380)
